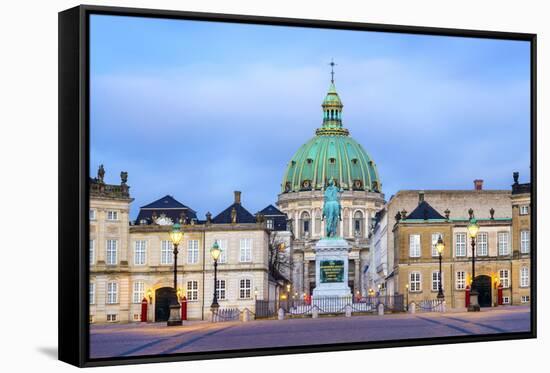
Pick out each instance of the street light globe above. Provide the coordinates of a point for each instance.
(176, 234)
(215, 251)
(473, 228)
(440, 245)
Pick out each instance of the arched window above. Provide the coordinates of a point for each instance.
(305, 224)
(358, 223)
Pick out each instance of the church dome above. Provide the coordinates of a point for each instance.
(331, 154)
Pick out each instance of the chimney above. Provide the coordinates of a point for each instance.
(237, 197)
(420, 197)
(478, 184)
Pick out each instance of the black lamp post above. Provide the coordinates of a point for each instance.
(176, 235)
(215, 253)
(440, 246)
(473, 228)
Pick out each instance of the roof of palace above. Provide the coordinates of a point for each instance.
(278, 217)
(331, 154)
(167, 206)
(424, 211)
(271, 210)
(243, 215)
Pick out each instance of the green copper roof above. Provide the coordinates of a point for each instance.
(332, 153)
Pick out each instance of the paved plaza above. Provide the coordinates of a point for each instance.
(156, 338)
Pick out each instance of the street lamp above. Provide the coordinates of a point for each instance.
(440, 246)
(473, 228)
(407, 295)
(215, 252)
(176, 235)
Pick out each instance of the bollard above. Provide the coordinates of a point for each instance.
(315, 312)
(246, 315)
(381, 309)
(412, 308)
(281, 314)
(348, 310)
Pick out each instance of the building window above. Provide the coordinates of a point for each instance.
(269, 223)
(503, 246)
(166, 252)
(112, 215)
(139, 291)
(524, 277)
(482, 248)
(525, 241)
(92, 251)
(460, 280)
(112, 293)
(414, 282)
(414, 245)
(111, 317)
(92, 214)
(435, 238)
(91, 319)
(506, 300)
(92, 293)
(436, 278)
(525, 299)
(358, 223)
(245, 286)
(223, 251)
(460, 244)
(136, 317)
(192, 252)
(112, 248)
(220, 289)
(504, 276)
(140, 250)
(192, 290)
(245, 251)
(305, 224)
(524, 210)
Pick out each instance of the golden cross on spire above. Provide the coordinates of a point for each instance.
(332, 64)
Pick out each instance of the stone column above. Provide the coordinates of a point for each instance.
(350, 217)
(305, 288)
(312, 219)
(357, 282)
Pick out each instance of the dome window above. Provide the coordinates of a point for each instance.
(357, 184)
(354, 161)
(306, 185)
(332, 160)
(309, 161)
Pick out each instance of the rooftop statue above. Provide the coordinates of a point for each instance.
(332, 209)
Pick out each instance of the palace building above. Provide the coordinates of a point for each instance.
(331, 154)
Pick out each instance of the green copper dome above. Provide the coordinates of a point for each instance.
(331, 154)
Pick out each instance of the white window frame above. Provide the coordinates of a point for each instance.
(436, 278)
(270, 224)
(166, 252)
(506, 299)
(245, 288)
(221, 289)
(482, 244)
(140, 252)
(245, 250)
(138, 291)
(435, 238)
(503, 244)
(112, 317)
(524, 210)
(415, 284)
(92, 251)
(112, 293)
(525, 241)
(91, 294)
(524, 277)
(192, 290)
(223, 251)
(112, 215)
(460, 280)
(111, 250)
(415, 246)
(504, 278)
(92, 215)
(525, 299)
(460, 244)
(192, 251)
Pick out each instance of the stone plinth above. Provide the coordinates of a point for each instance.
(331, 267)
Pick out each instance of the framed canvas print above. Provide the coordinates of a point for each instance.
(226, 179)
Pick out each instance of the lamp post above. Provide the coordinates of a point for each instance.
(473, 228)
(215, 253)
(440, 246)
(407, 295)
(176, 235)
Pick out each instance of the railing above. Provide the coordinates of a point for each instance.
(265, 309)
(337, 304)
(430, 305)
(226, 314)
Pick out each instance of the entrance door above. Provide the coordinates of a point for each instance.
(483, 286)
(163, 299)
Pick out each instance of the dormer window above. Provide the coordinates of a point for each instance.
(332, 160)
(309, 161)
(354, 161)
(143, 222)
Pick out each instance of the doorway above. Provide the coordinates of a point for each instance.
(163, 299)
(483, 286)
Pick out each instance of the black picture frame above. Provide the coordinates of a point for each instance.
(74, 174)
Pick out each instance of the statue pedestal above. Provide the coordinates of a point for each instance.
(331, 268)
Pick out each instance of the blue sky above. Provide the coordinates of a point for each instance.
(199, 109)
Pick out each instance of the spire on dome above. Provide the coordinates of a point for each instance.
(332, 110)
